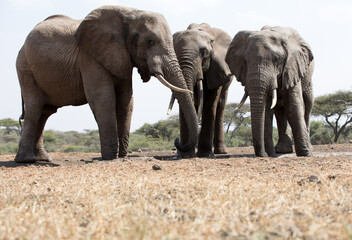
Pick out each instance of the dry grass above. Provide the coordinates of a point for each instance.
(226, 198)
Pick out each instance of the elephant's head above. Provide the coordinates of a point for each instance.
(264, 61)
(121, 38)
(201, 53)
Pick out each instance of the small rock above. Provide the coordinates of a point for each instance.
(313, 178)
(332, 177)
(156, 167)
(301, 182)
(310, 179)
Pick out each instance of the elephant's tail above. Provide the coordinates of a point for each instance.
(21, 118)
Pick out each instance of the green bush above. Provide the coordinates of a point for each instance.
(9, 148)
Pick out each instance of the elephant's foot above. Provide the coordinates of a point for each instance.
(108, 156)
(284, 145)
(122, 155)
(190, 154)
(271, 152)
(306, 152)
(205, 154)
(25, 158)
(42, 155)
(220, 150)
(260, 152)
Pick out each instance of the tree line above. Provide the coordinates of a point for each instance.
(331, 122)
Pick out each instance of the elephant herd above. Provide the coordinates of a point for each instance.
(73, 62)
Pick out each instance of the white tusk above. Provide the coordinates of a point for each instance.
(169, 85)
(172, 100)
(244, 98)
(200, 98)
(273, 103)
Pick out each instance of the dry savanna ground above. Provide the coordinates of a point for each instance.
(150, 195)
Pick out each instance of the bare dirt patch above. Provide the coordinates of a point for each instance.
(151, 195)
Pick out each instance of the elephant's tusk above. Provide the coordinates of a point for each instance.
(200, 98)
(273, 103)
(169, 85)
(243, 100)
(172, 100)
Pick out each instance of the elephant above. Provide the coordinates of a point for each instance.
(73, 62)
(201, 52)
(275, 65)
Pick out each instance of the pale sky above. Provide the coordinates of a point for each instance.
(326, 25)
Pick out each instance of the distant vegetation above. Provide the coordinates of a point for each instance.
(331, 123)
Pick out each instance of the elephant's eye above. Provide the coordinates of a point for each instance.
(276, 61)
(150, 43)
(204, 52)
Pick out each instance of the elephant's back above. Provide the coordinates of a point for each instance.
(55, 33)
(51, 52)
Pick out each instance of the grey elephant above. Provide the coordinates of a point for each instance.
(275, 65)
(201, 52)
(71, 62)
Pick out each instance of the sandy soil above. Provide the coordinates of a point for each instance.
(151, 195)
(328, 152)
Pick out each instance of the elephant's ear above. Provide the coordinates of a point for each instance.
(101, 35)
(235, 56)
(219, 72)
(299, 57)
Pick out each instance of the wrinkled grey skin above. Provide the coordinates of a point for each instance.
(71, 62)
(201, 52)
(275, 58)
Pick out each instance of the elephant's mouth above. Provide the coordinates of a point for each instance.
(145, 74)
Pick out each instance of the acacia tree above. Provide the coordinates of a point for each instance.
(10, 125)
(163, 129)
(235, 118)
(336, 109)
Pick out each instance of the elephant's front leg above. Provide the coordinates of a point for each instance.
(268, 129)
(124, 109)
(184, 137)
(219, 138)
(284, 144)
(100, 93)
(295, 115)
(206, 135)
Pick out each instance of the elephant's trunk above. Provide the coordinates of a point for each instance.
(258, 105)
(259, 88)
(174, 75)
(192, 72)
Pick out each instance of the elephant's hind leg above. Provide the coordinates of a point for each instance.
(39, 150)
(25, 153)
(33, 101)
